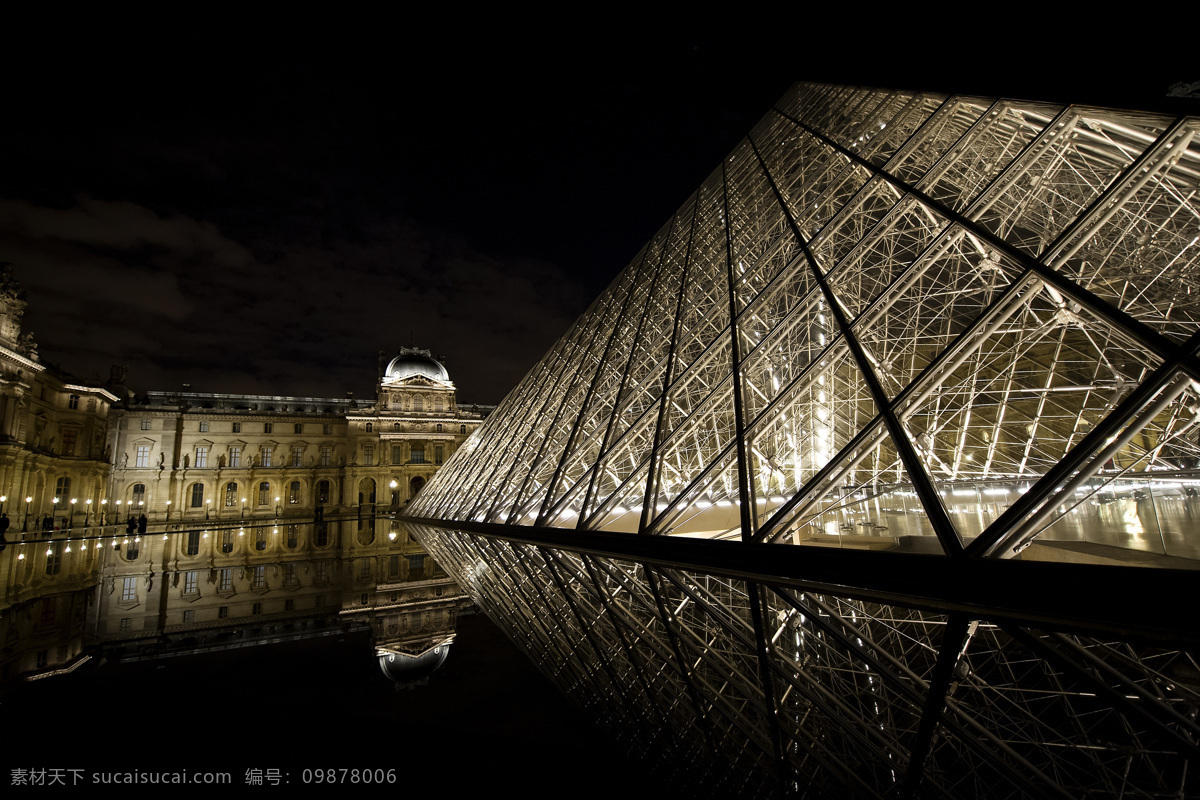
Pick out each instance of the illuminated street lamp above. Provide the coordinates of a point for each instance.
(3, 499)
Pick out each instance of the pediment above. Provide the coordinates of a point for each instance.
(422, 381)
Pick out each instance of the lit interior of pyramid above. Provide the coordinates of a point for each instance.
(924, 327)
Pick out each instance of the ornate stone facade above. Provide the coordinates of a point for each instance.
(53, 431)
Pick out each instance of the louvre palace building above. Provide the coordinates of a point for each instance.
(189, 520)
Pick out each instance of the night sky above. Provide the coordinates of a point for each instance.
(253, 213)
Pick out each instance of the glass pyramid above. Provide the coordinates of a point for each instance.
(875, 472)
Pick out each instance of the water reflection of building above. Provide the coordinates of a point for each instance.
(262, 517)
(77, 593)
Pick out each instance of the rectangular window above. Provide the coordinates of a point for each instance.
(223, 612)
(257, 609)
(201, 456)
(264, 493)
(143, 456)
(416, 563)
(73, 401)
(290, 577)
(364, 569)
(204, 427)
(298, 427)
(197, 495)
(235, 456)
(437, 454)
(328, 429)
(129, 590)
(268, 427)
(368, 455)
(145, 424)
(191, 582)
(418, 456)
(397, 454)
(126, 623)
(225, 582)
(259, 581)
(227, 541)
(266, 456)
(189, 616)
(237, 427)
(68, 442)
(321, 572)
(292, 536)
(289, 605)
(193, 543)
(326, 456)
(297, 455)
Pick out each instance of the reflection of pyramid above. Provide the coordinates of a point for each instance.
(960, 327)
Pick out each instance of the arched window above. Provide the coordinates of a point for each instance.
(260, 539)
(138, 496)
(230, 494)
(462, 428)
(197, 495)
(264, 493)
(370, 427)
(193, 543)
(62, 491)
(323, 492)
(294, 492)
(418, 404)
(395, 426)
(439, 427)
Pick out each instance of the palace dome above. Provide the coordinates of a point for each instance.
(414, 361)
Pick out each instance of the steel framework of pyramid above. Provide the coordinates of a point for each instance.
(874, 473)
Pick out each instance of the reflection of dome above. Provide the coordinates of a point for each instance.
(414, 361)
(404, 668)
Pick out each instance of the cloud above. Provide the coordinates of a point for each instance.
(179, 301)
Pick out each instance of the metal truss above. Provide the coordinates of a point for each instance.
(894, 324)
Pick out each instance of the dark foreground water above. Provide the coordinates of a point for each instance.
(300, 713)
